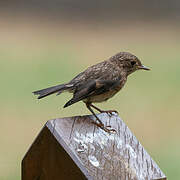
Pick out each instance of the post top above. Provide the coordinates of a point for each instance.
(100, 154)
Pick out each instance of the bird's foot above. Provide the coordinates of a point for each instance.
(107, 129)
(110, 112)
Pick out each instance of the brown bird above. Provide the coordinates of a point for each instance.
(98, 83)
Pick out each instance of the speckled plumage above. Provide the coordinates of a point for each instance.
(99, 82)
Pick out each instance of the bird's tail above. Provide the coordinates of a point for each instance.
(51, 90)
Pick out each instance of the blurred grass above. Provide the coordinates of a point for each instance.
(37, 57)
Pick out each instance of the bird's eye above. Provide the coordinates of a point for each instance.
(133, 63)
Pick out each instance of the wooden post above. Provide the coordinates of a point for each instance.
(74, 148)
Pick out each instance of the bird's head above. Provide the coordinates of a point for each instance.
(128, 62)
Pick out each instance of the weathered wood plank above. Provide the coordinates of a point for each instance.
(94, 153)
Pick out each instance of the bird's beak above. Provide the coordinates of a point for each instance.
(143, 67)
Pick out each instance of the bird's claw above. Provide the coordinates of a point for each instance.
(110, 112)
(107, 129)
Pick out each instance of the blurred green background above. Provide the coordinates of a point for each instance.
(43, 48)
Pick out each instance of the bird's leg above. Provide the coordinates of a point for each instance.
(88, 106)
(100, 124)
(102, 111)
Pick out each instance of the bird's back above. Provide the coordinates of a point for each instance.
(103, 70)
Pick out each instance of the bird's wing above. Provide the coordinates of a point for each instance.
(94, 87)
